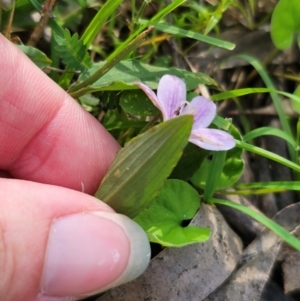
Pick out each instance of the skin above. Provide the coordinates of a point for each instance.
(50, 150)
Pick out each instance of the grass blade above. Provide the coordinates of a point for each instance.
(274, 227)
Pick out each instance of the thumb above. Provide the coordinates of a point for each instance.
(59, 244)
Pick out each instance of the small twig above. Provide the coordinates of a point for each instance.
(46, 14)
(10, 20)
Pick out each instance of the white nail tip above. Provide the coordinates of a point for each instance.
(140, 248)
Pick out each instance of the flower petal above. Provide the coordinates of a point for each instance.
(205, 111)
(171, 92)
(212, 139)
(150, 94)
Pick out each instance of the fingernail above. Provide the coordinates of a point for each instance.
(88, 253)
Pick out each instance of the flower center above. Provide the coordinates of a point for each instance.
(180, 109)
(185, 108)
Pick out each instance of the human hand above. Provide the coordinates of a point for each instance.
(56, 243)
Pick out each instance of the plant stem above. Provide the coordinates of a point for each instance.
(153, 20)
(141, 10)
(74, 90)
(10, 20)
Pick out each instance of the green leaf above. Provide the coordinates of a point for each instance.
(222, 123)
(126, 73)
(99, 20)
(269, 131)
(295, 104)
(114, 119)
(109, 64)
(297, 150)
(137, 103)
(156, 18)
(275, 98)
(189, 162)
(141, 167)
(72, 51)
(267, 154)
(176, 202)
(121, 127)
(194, 35)
(266, 187)
(232, 169)
(274, 227)
(246, 91)
(285, 23)
(82, 3)
(252, 5)
(214, 175)
(37, 56)
(89, 102)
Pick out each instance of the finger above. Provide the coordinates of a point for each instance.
(75, 248)
(45, 136)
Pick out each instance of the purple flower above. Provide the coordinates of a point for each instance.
(171, 101)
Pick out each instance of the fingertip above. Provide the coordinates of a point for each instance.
(59, 244)
(88, 253)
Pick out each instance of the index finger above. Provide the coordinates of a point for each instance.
(45, 136)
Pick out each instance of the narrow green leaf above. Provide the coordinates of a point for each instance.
(142, 166)
(82, 3)
(194, 35)
(297, 151)
(222, 123)
(176, 202)
(56, 27)
(36, 3)
(214, 174)
(246, 91)
(274, 227)
(267, 154)
(252, 5)
(276, 100)
(99, 20)
(257, 191)
(267, 187)
(296, 104)
(269, 131)
(110, 63)
(37, 56)
(159, 16)
(126, 73)
(213, 21)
